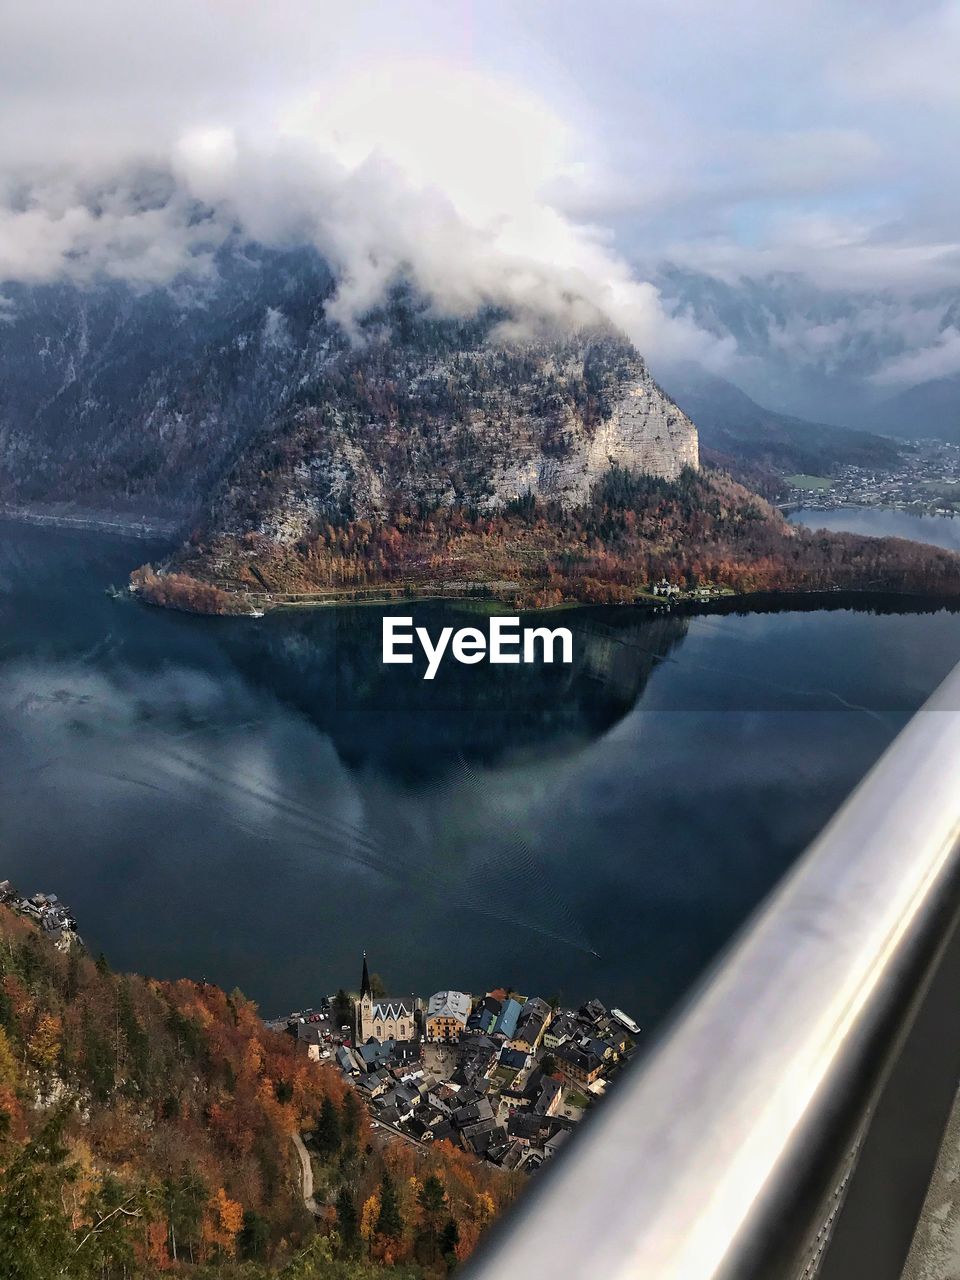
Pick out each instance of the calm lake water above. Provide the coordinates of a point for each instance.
(879, 522)
(255, 802)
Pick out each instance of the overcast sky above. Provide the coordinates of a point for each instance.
(537, 152)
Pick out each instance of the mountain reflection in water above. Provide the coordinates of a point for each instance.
(258, 801)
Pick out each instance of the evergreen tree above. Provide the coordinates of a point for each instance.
(254, 1235)
(449, 1239)
(350, 1119)
(327, 1134)
(99, 1059)
(73, 973)
(343, 1009)
(36, 1241)
(432, 1196)
(135, 1038)
(432, 1199)
(347, 1223)
(108, 1246)
(389, 1221)
(185, 1197)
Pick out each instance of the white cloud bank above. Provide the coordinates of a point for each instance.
(941, 359)
(403, 168)
(525, 154)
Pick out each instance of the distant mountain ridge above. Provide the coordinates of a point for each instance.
(928, 409)
(826, 353)
(730, 422)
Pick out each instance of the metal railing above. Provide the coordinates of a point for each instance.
(719, 1156)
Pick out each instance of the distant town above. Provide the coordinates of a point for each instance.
(926, 482)
(503, 1075)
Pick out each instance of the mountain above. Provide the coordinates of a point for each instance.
(702, 531)
(731, 423)
(824, 353)
(149, 1126)
(243, 394)
(928, 409)
(125, 400)
(410, 451)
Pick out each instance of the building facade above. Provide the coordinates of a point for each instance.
(384, 1017)
(447, 1014)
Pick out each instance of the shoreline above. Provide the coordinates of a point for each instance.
(140, 528)
(799, 601)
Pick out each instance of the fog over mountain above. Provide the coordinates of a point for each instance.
(873, 360)
(785, 161)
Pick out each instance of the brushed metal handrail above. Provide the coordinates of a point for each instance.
(687, 1171)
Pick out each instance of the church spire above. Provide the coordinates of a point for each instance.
(365, 988)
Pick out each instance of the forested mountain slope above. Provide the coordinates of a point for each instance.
(240, 399)
(145, 1129)
(701, 530)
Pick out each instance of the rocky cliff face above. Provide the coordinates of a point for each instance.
(643, 432)
(245, 404)
(399, 428)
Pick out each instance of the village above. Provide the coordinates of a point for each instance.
(926, 481)
(45, 909)
(505, 1076)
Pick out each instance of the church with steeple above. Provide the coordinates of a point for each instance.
(383, 1017)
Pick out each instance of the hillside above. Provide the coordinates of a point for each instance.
(146, 1128)
(702, 529)
(732, 424)
(928, 409)
(414, 451)
(241, 397)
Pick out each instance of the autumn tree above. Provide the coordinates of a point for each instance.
(9, 1072)
(222, 1222)
(44, 1045)
(368, 1218)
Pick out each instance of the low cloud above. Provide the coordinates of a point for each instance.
(412, 171)
(941, 359)
(519, 154)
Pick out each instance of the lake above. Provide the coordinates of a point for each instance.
(257, 801)
(883, 522)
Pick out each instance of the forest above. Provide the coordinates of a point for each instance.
(146, 1129)
(703, 529)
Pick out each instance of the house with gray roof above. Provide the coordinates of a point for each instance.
(447, 1015)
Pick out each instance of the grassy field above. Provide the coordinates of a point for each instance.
(816, 484)
(577, 1099)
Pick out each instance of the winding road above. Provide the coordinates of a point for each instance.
(306, 1175)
